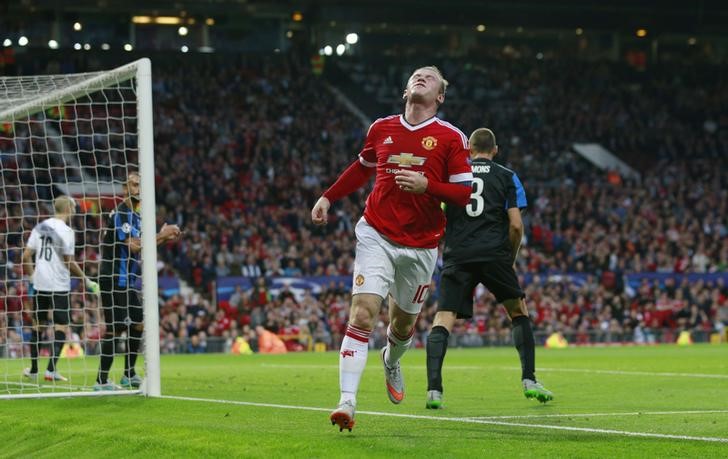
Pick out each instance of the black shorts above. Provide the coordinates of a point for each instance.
(122, 306)
(458, 282)
(55, 302)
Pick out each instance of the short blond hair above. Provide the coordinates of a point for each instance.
(64, 205)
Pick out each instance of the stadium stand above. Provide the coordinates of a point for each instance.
(605, 259)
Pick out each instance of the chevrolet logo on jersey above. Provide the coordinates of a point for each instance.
(406, 160)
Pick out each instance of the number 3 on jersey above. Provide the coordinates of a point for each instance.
(477, 203)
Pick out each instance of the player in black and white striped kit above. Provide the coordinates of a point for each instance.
(48, 261)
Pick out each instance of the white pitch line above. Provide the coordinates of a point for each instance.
(486, 368)
(336, 366)
(101, 393)
(589, 415)
(463, 420)
(622, 372)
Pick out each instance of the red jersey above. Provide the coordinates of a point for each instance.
(434, 148)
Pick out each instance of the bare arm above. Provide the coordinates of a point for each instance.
(319, 213)
(74, 268)
(91, 285)
(515, 231)
(168, 233)
(135, 244)
(29, 267)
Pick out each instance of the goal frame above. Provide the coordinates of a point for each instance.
(141, 70)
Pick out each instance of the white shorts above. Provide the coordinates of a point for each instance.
(382, 267)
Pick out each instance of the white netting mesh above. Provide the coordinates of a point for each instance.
(15, 91)
(60, 135)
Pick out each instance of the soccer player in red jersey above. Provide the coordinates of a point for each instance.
(419, 161)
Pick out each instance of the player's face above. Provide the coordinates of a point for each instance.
(424, 87)
(132, 186)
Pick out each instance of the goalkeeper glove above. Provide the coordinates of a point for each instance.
(92, 287)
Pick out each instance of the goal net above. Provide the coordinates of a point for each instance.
(77, 135)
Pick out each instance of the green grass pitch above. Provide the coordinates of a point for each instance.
(663, 401)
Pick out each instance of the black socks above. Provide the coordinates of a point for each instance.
(59, 340)
(436, 349)
(135, 340)
(107, 357)
(34, 351)
(525, 344)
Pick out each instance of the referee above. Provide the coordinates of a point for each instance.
(481, 246)
(48, 260)
(120, 279)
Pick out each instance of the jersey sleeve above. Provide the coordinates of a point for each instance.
(33, 240)
(458, 164)
(353, 178)
(368, 154)
(515, 194)
(69, 242)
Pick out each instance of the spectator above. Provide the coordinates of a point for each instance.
(268, 342)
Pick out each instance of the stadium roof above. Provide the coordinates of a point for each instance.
(670, 16)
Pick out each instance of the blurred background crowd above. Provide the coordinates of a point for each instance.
(244, 146)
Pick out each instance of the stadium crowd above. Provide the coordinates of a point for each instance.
(585, 311)
(244, 148)
(671, 221)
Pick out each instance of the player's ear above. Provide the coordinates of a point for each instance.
(495, 151)
(440, 99)
(404, 94)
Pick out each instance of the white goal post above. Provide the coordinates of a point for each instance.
(76, 135)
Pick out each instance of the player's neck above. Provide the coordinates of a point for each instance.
(483, 156)
(415, 113)
(131, 203)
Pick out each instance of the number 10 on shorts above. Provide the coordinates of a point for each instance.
(421, 294)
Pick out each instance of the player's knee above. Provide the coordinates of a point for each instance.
(364, 309)
(362, 318)
(363, 315)
(402, 324)
(516, 308)
(444, 319)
